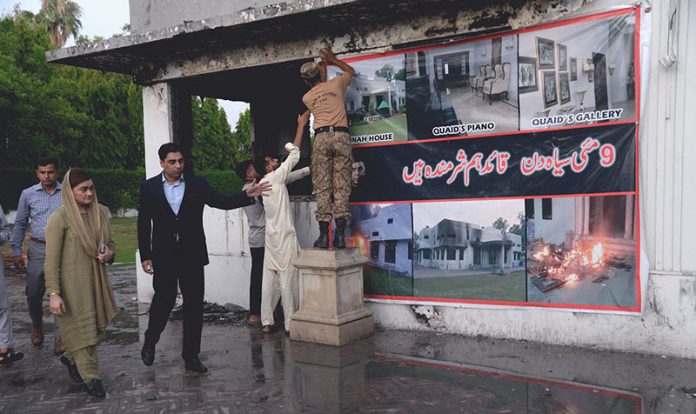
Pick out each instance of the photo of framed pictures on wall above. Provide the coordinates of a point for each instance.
(549, 92)
(564, 87)
(573, 69)
(562, 57)
(546, 53)
(527, 74)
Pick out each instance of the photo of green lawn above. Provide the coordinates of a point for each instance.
(396, 124)
(508, 287)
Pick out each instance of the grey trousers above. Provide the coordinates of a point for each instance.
(6, 339)
(36, 284)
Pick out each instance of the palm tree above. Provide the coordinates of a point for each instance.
(61, 19)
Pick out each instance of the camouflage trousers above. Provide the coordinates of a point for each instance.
(332, 164)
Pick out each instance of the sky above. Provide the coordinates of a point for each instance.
(105, 18)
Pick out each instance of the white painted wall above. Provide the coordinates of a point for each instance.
(562, 220)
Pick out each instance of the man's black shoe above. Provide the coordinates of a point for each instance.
(72, 369)
(194, 364)
(148, 355)
(95, 388)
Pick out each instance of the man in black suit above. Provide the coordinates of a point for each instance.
(172, 247)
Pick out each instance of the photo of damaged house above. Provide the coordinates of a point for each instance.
(459, 258)
(590, 65)
(582, 250)
(383, 233)
(463, 84)
(376, 98)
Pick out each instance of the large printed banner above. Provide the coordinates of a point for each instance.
(501, 170)
(573, 161)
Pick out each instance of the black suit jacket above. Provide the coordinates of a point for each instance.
(158, 226)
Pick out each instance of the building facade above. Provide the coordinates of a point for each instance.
(250, 50)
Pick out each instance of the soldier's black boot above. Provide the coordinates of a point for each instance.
(339, 241)
(323, 241)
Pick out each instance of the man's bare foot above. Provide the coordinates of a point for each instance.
(254, 318)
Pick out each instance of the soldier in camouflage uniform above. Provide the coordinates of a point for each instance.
(331, 154)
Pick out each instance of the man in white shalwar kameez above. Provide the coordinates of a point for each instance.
(281, 246)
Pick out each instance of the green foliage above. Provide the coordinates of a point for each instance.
(225, 182)
(215, 146)
(82, 117)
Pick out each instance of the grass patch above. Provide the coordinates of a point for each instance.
(484, 287)
(379, 281)
(396, 125)
(124, 231)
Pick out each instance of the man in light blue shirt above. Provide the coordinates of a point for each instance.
(174, 192)
(36, 204)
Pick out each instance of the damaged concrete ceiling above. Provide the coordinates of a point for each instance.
(284, 34)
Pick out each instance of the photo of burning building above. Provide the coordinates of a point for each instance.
(581, 250)
(469, 250)
(384, 232)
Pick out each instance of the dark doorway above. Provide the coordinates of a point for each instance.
(600, 81)
(452, 70)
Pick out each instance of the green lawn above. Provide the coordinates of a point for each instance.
(125, 236)
(485, 287)
(395, 125)
(510, 287)
(383, 282)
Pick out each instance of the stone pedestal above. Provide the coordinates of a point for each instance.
(331, 298)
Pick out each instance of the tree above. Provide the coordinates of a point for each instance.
(242, 137)
(518, 228)
(501, 224)
(215, 146)
(82, 117)
(386, 72)
(400, 75)
(60, 19)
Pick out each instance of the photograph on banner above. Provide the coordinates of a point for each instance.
(577, 74)
(384, 234)
(466, 89)
(376, 100)
(582, 250)
(470, 250)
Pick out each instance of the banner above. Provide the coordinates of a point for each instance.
(501, 170)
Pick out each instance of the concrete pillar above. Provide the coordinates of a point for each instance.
(167, 117)
(331, 298)
(157, 123)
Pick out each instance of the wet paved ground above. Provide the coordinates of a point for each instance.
(395, 372)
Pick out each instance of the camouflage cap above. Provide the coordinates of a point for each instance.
(309, 70)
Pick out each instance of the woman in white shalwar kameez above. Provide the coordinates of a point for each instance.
(281, 247)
